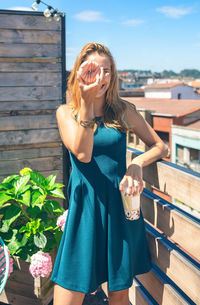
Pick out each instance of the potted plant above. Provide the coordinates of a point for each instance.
(31, 222)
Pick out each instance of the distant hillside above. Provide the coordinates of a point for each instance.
(194, 73)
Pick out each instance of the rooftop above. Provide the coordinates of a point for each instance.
(165, 85)
(167, 107)
(195, 125)
(195, 84)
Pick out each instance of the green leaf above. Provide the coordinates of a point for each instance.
(58, 185)
(5, 227)
(58, 235)
(37, 178)
(24, 240)
(40, 240)
(51, 241)
(26, 197)
(35, 225)
(53, 207)
(37, 198)
(34, 211)
(15, 242)
(4, 198)
(12, 213)
(22, 229)
(20, 184)
(50, 180)
(57, 193)
(9, 178)
(6, 186)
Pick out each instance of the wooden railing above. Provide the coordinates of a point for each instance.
(173, 236)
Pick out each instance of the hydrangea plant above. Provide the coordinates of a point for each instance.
(31, 220)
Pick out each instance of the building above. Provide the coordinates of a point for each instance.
(165, 113)
(186, 145)
(173, 90)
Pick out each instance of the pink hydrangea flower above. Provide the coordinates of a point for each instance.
(61, 220)
(41, 264)
(10, 261)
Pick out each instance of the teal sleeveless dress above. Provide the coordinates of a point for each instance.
(98, 243)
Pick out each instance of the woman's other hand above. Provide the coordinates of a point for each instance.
(132, 180)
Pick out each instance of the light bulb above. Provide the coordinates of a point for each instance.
(35, 5)
(47, 12)
(56, 17)
(49, 19)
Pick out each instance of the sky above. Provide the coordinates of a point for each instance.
(151, 35)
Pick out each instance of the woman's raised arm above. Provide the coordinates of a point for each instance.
(157, 150)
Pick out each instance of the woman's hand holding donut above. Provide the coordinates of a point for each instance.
(132, 180)
(90, 77)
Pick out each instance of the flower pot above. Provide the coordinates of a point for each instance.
(22, 288)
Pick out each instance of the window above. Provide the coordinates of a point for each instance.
(194, 154)
(180, 153)
(164, 136)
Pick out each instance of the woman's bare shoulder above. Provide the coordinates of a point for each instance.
(129, 105)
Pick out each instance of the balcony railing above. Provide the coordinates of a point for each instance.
(173, 236)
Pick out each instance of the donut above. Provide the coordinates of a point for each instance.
(89, 72)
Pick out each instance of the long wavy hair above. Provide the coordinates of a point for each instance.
(114, 106)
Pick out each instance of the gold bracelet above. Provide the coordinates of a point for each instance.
(87, 124)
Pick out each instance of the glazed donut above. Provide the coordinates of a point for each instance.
(89, 71)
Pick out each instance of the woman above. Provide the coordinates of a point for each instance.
(99, 244)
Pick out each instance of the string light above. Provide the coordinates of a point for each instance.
(35, 5)
(49, 11)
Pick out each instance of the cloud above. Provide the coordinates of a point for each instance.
(174, 12)
(91, 16)
(20, 8)
(133, 22)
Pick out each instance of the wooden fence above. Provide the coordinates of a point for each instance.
(32, 86)
(173, 237)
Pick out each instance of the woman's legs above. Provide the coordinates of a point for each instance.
(64, 296)
(120, 297)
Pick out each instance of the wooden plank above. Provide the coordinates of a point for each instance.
(28, 153)
(28, 136)
(30, 50)
(37, 164)
(177, 267)
(34, 145)
(30, 93)
(172, 222)
(177, 181)
(27, 22)
(17, 79)
(29, 66)
(30, 36)
(31, 60)
(28, 122)
(29, 105)
(160, 289)
(11, 297)
(38, 112)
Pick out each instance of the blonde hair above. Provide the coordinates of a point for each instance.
(114, 107)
